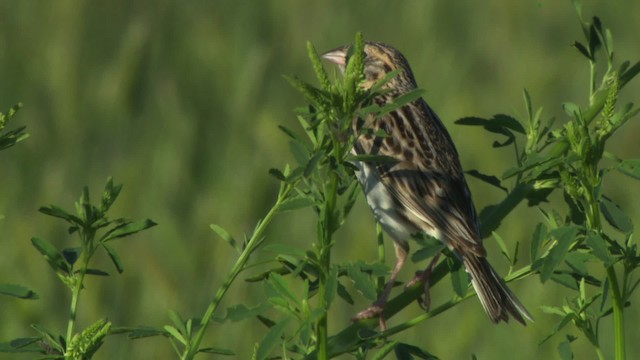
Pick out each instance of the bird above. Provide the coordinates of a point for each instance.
(423, 189)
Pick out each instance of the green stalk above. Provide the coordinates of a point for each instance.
(75, 297)
(192, 350)
(87, 253)
(594, 222)
(325, 263)
(618, 314)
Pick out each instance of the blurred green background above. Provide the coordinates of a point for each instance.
(180, 102)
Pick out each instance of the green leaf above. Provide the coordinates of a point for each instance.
(331, 286)
(615, 216)
(362, 281)
(241, 312)
(282, 288)
(109, 195)
(582, 49)
(300, 152)
(565, 280)
(55, 211)
(22, 345)
(459, 277)
(430, 247)
(139, 332)
(113, 255)
(271, 339)
(406, 351)
(217, 351)
(175, 334)
(177, 321)
(600, 249)
(564, 349)
(72, 254)
(491, 216)
(489, 179)
(503, 246)
(48, 337)
(283, 249)
(224, 235)
(97, 272)
(277, 174)
(630, 167)
(565, 236)
(18, 291)
(295, 203)
(127, 229)
(53, 256)
(539, 235)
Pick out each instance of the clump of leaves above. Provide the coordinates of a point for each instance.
(95, 231)
(572, 158)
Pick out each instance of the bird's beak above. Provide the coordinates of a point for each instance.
(337, 56)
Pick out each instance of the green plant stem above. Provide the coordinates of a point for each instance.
(595, 224)
(77, 288)
(256, 238)
(592, 82)
(618, 314)
(73, 310)
(325, 262)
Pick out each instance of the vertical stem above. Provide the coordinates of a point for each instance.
(75, 297)
(618, 313)
(592, 81)
(618, 303)
(325, 262)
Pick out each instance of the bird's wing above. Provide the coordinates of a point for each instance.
(426, 178)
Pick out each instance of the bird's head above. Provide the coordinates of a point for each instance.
(380, 59)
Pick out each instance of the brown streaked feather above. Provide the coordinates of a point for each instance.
(429, 184)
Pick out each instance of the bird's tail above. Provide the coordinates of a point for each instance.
(496, 298)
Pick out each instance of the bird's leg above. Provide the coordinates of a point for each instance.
(377, 309)
(423, 277)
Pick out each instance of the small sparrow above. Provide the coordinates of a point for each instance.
(424, 190)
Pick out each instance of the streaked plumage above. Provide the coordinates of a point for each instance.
(425, 189)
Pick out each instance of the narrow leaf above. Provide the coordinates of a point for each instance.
(599, 247)
(53, 256)
(296, 203)
(270, 340)
(282, 288)
(242, 312)
(128, 229)
(224, 235)
(55, 211)
(489, 179)
(18, 291)
(564, 236)
(115, 258)
(630, 167)
(459, 277)
(615, 216)
(175, 333)
(217, 351)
